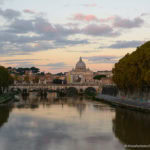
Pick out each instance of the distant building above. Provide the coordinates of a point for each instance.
(49, 78)
(28, 72)
(80, 75)
(106, 81)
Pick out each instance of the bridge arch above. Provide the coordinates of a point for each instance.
(72, 91)
(81, 90)
(91, 91)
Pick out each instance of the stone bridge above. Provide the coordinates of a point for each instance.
(55, 87)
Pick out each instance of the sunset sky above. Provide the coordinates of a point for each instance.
(53, 34)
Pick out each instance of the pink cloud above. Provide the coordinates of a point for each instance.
(82, 17)
(29, 11)
(90, 17)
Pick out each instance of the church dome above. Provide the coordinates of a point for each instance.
(80, 65)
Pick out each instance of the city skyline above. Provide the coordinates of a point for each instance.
(52, 35)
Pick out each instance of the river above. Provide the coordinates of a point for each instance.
(77, 123)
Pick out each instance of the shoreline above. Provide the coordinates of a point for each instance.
(127, 104)
(7, 98)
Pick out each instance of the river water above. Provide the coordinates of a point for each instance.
(77, 123)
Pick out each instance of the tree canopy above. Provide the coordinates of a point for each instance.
(5, 79)
(99, 77)
(132, 72)
(21, 71)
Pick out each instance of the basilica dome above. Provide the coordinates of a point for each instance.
(80, 65)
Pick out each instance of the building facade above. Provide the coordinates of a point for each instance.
(80, 75)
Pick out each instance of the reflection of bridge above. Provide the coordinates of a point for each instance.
(54, 87)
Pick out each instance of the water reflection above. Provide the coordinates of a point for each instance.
(34, 101)
(4, 115)
(132, 128)
(58, 124)
(52, 123)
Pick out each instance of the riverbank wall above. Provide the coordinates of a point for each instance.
(143, 106)
(7, 98)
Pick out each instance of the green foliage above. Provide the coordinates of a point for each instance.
(27, 79)
(17, 78)
(21, 71)
(5, 79)
(35, 70)
(99, 77)
(132, 72)
(36, 80)
(57, 81)
(60, 74)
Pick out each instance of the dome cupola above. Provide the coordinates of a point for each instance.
(80, 66)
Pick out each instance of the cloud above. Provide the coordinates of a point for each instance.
(59, 64)
(83, 51)
(108, 19)
(2, 1)
(20, 62)
(21, 26)
(63, 42)
(100, 30)
(116, 21)
(55, 66)
(9, 49)
(124, 44)
(29, 11)
(127, 23)
(102, 59)
(25, 64)
(24, 35)
(82, 17)
(9, 13)
(17, 60)
(145, 14)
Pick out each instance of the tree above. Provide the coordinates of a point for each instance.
(42, 73)
(99, 77)
(132, 72)
(36, 79)
(60, 74)
(27, 79)
(57, 81)
(35, 70)
(5, 79)
(17, 78)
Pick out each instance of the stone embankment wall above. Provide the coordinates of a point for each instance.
(136, 95)
(142, 106)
